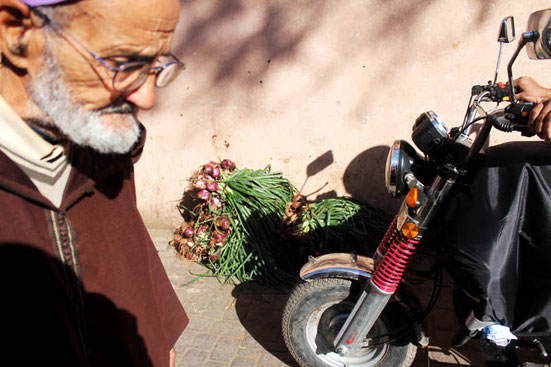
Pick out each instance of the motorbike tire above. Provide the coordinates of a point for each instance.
(315, 312)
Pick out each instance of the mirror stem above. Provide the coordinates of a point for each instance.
(498, 61)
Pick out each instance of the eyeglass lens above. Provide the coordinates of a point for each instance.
(134, 74)
(130, 76)
(168, 74)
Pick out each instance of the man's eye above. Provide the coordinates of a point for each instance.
(117, 61)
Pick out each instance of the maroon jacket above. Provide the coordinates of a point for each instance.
(82, 285)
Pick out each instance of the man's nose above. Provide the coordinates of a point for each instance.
(144, 96)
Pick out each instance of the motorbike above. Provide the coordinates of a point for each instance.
(355, 310)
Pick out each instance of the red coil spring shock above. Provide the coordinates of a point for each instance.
(388, 239)
(389, 273)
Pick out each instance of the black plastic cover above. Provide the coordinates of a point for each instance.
(498, 237)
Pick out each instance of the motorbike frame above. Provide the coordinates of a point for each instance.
(382, 274)
(395, 250)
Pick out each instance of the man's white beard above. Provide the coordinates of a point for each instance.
(49, 92)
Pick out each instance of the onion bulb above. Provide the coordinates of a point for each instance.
(223, 222)
(189, 232)
(200, 185)
(203, 194)
(227, 164)
(215, 202)
(218, 237)
(212, 186)
(214, 255)
(215, 173)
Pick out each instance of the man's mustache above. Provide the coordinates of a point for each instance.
(119, 106)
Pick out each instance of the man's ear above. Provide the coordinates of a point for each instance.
(15, 28)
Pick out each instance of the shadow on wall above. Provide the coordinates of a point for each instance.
(277, 29)
(279, 34)
(364, 179)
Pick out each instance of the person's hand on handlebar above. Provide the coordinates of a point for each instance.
(530, 90)
(540, 117)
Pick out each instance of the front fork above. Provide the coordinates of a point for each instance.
(392, 258)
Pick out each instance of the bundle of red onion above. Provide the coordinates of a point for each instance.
(251, 224)
(202, 237)
(232, 218)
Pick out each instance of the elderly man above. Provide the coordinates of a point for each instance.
(81, 283)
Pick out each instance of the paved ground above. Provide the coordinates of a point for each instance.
(240, 326)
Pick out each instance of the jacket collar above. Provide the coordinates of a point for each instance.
(88, 169)
(25, 147)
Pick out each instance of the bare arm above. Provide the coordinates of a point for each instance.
(540, 117)
(530, 90)
(172, 355)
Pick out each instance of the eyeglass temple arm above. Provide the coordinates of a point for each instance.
(60, 28)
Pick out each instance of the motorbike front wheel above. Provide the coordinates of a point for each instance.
(316, 311)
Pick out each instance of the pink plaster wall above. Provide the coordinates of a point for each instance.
(283, 82)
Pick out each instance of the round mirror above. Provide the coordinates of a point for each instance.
(540, 21)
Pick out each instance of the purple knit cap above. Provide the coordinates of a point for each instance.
(42, 2)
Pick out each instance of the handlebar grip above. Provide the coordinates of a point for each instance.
(515, 118)
(519, 112)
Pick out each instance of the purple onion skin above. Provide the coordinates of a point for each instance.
(215, 202)
(200, 185)
(189, 232)
(212, 186)
(203, 194)
(208, 170)
(218, 237)
(215, 173)
(295, 205)
(223, 223)
(227, 164)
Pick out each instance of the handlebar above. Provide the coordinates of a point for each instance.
(498, 92)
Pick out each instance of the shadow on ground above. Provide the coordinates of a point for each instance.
(259, 309)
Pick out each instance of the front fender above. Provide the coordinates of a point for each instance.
(339, 265)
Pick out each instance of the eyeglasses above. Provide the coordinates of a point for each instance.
(129, 75)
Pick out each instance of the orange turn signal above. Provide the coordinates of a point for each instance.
(410, 230)
(412, 198)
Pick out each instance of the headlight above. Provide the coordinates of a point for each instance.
(398, 164)
(429, 132)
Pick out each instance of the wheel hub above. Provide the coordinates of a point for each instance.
(323, 327)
